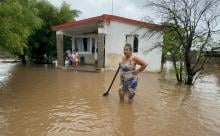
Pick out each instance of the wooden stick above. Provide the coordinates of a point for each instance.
(107, 92)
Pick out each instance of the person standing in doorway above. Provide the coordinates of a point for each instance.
(128, 76)
(75, 56)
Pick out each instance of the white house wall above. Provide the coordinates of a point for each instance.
(116, 38)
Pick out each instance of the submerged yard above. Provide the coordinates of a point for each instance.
(42, 100)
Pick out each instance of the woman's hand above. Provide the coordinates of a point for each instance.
(135, 72)
(119, 64)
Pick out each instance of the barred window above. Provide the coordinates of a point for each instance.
(133, 40)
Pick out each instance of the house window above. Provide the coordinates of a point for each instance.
(83, 45)
(133, 40)
(135, 43)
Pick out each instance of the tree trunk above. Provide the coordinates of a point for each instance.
(23, 60)
(162, 62)
(176, 70)
(189, 80)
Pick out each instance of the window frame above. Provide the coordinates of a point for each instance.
(132, 43)
(137, 48)
(89, 45)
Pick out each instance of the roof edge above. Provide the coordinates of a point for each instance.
(105, 17)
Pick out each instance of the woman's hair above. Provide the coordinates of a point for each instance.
(128, 46)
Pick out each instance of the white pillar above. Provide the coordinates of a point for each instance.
(60, 54)
(73, 43)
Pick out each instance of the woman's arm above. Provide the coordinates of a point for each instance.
(141, 63)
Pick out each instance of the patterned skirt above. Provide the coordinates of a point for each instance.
(129, 83)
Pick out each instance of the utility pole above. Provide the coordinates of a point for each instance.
(112, 7)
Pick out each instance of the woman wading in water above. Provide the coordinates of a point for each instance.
(128, 74)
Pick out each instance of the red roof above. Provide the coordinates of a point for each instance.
(104, 17)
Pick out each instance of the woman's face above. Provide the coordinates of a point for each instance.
(127, 51)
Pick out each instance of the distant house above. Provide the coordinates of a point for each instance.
(102, 38)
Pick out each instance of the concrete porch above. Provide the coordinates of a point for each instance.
(85, 68)
(88, 37)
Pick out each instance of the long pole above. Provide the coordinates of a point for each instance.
(112, 7)
(107, 92)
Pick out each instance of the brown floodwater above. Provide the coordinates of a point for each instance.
(44, 101)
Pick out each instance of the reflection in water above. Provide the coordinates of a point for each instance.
(126, 120)
(5, 73)
(208, 83)
(42, 100)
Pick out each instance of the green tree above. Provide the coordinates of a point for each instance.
(172, 49)
(193, 22)
(18, 19)
(42, 43)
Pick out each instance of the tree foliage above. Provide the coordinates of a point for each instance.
(193, 23)
(18, 19)
(42, 43)
(173, 50)
(25, 27)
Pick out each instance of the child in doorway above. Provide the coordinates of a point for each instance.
(75, 56)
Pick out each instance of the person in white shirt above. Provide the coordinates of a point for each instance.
(75, 56)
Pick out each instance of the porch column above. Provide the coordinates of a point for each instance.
(73, 43)
(101, 50)
(60, 54)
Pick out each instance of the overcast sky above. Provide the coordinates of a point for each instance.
(127, 8)
(134, 9)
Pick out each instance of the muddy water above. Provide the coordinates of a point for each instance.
(43, 101)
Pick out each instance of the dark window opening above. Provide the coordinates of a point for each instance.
(126, 38)
(93, 49)
(135, 43)
(93, 45)
(85, 44)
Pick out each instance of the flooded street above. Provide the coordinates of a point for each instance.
(44, 101)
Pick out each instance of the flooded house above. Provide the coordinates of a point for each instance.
(100, 41)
